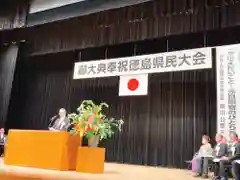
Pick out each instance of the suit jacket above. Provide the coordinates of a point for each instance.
(221, 150)
(2, 139)
(61, 125)
(235, 152)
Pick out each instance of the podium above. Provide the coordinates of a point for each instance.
(90, 160)
(42, 149)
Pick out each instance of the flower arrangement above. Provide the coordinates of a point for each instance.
(91, 121)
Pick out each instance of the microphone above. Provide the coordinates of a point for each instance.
(54, 117)
(51, 120)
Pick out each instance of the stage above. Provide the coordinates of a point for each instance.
(112, 172)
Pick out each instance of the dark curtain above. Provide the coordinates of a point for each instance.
(13, 14)
(77, 9)
(154, 19)
(163, 128)
(8, 58)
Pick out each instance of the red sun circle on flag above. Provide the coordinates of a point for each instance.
(133, 84)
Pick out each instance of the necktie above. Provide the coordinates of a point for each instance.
(61, 124)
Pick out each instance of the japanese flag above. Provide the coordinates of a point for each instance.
(133, 85)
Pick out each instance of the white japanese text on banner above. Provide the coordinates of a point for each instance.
(228, 88)
(191, 59)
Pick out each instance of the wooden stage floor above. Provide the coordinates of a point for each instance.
(112, 172)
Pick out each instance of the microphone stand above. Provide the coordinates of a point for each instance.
(51, 121)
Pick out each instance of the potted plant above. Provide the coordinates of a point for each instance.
(90, 121)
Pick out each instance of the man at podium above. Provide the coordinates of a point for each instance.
(2, 141)
(61, 121)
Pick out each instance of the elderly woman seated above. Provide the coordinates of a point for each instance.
(200, 160)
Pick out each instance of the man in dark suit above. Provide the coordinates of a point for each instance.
(62, 123)
(236, 169)
(221, 148)
(234, 154)
(2, 141)
(220, 151)
(235, 158)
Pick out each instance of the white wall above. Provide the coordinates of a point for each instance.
(42, 5)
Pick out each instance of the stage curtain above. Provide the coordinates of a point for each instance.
(8, 58)
(80, 8)
(154, 19)
(13, 14)
(163, 128)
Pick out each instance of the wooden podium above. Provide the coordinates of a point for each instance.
(90, 160)
(42, 149)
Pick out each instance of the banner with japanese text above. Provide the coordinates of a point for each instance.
(228, 88)
(191, 59)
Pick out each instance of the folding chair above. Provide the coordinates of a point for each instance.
(189, 164)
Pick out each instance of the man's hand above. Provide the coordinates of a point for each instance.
(224, 158)
(52, 129)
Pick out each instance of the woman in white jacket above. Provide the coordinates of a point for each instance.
(200, 161)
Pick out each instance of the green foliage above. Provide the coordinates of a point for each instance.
(90, 120)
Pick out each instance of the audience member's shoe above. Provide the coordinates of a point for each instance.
(196, 175)
(216, 178)
(223, 178)
(205, 176)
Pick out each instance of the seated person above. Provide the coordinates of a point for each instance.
(200, 161)
(227, 160)
(236, 169)
(220, 150)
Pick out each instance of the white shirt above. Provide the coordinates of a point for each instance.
(237, 161)
(217, 148)
(61, 122)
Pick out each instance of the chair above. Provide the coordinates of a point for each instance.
(228, 169)
(210, 165)
(189, 164)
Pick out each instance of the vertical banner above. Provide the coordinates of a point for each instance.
(228, 88)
